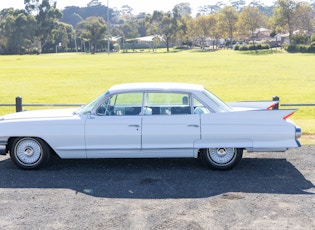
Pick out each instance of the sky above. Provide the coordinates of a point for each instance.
(137, 5)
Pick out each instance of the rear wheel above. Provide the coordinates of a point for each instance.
(221, 158)
(29, 153)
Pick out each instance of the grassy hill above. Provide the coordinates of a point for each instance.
(232, 76)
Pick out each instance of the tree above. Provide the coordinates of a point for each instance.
(238, 4)
(215, 31)
(143, 24)
(250, 19)
(199, 30)
(210, 9)
(61, 36)
(72, 19)
(285, 12)
(182, 33)
(92, 29)
(184, 9)
(304, 19)
(126, 9)
(204, 27)
(228, 21)
(18, 30)
(74, 14)
(129, 30)
(184, 16)
(167, 25)
(46, 16)
(266, 10)
(125, 14)
(31, 6)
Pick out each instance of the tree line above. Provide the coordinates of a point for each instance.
(41, 27)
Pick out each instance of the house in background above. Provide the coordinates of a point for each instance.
(260, 34)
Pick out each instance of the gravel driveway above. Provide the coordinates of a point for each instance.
(265, 191)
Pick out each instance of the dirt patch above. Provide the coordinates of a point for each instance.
(308, 139)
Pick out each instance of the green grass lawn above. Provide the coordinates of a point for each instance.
(233, 76)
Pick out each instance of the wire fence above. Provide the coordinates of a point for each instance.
(19, 105)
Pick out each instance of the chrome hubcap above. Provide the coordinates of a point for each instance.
(221, 155)
(221, 151)
(28, 151)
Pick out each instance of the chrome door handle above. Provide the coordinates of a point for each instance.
(193, 126)
(137, 126)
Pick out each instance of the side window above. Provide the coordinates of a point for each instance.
(167, 104)
(124, 104)
(199, 108)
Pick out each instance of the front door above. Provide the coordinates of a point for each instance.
(115, 129)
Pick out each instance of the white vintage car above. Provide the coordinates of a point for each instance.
(149, 120)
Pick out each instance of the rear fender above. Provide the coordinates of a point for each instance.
(252, 117)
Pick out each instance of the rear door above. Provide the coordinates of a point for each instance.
(170, 127)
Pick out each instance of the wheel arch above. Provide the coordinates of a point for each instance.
(199, 151)
(13, 138)
(237, 143)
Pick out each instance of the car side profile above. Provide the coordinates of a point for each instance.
(148, 120)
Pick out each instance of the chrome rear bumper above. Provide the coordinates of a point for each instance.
(298, 132)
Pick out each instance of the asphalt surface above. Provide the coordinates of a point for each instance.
(265, 191)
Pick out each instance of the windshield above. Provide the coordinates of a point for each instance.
(88, 108)
(222, 106)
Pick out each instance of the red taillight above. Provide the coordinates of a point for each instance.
(289, 115)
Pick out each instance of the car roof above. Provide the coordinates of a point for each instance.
(156, 86)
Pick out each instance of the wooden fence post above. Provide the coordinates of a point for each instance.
(276, 98)
(18, 104)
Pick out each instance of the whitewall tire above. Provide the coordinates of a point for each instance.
(221, 158)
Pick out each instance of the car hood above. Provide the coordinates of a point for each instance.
(39, 114)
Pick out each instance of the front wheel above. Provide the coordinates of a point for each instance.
(221, 158)
(29, 153)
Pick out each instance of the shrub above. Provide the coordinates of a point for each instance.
(184, 47)
(299, 39)
(303, 48)
(251, 47)
(265, 46)
(292, 48)
(243, 48)
(311, 48)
